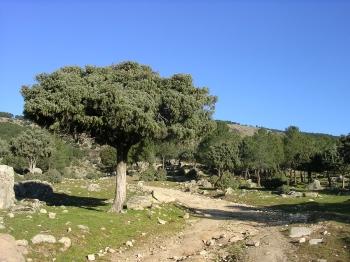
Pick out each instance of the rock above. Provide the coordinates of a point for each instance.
(2, 226)
(82, 227)
(236, 238)
(162, 197)
(94, 188)
(210, 242)
(52, 215)
(315, 241)
(295, 194)
(43, 211)
(251, 184)
(139, 202)
(34, 189)
(27, 205)
(91, 257)
(11, 215)
(299, 231)
(284, 195)
(111, 250)
(321, 260)
(37, 170)
(67, 243)
(310, 194)
(162, 222)
(302, 240)
(204, 183)
(186, 216)
(203, 253)
(43, 238)
(315, 185)
(229, 191)
(129, 244)
(22, 242)
(252, 243)
(7, 193)
(9, 251)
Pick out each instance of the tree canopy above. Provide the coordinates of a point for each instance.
(119, 105)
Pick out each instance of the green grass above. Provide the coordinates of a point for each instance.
(92, 213)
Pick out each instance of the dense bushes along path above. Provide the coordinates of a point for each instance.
(213, 224)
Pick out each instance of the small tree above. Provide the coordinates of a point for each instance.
(119, 105)
(4, 148)
(32, 144)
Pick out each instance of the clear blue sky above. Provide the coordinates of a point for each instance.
(271, 63)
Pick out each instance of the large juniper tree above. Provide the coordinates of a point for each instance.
(119, 105)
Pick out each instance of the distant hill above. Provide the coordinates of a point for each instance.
(249, 130)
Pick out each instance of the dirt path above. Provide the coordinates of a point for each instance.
(216, 223)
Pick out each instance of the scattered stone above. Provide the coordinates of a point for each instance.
(229, 191)
(94, 188)
(302, 240)
(162, 197)
(295, 194)
(82, 227)
(69, 229)
(7, 193)
(52, 215)
(129, 244)
(299, 232)
(111, 250)
(321, 260)
(186, 216)
(22, 243)
(203, 253)
(139, 202)
(210, 242)
(91, 257)
(315, 241)
(10, 215)
(67, 243)
(37, 170)
(65, 211)
(43, 211)
(310, 194)
(204, 183)
(9, 251)
(236, 238)
(252, 243)
(43, 238)
(161, 221)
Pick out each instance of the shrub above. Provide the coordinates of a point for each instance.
(275, 181)
(284, 189)
(153, 175)
(227, 180)
(93, 176)
(68, 173)
(108, 157)
(53, 176)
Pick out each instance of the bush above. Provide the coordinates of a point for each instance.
(153, 175)
(53, 176)
(275, 181)
(284, 189)
(227, 180)
(68, 173)
(108, 157)
(93, 176)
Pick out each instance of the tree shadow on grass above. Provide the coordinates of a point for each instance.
(44, 192)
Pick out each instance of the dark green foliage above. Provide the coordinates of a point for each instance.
(6, 115)
(17, 162)
(226, 180)
(283, 189)
(153, 175)
(108, 157)
(32, 144)
(143, 151)
(4, 148)
(10, 130)
(93, 176)
(275, 181)
(53, 176)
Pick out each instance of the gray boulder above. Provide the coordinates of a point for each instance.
(9, 250)
(299, 232)
(315, 185)
(139, 202)
(43, 238)
(7, 193)
(310, 194)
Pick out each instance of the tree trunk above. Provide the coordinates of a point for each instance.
(309, 177)
(343, 181)
(258, 178)
(302, 176)
(163, 160)
(32, 165)
(246, 174)
(120, 192)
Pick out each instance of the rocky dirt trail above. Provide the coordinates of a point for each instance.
(214, 224)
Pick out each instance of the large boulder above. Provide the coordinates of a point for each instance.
(43, 238)
(300, 231)
(7, 193)
(315, 185)
(33, 189)
(139, 202)
(9, 250)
